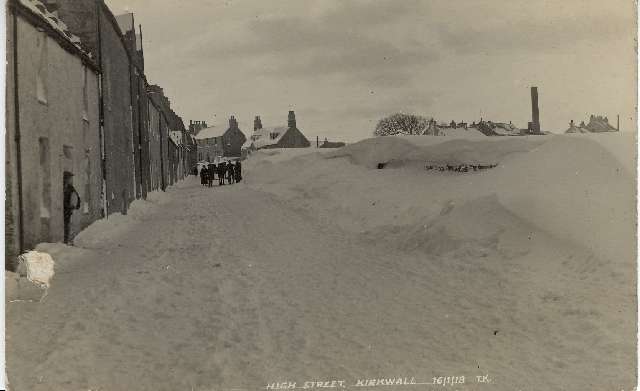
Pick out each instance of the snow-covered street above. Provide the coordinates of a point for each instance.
(235, 287)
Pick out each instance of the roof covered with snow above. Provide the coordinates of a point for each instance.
(210, 132)
(38, 9)
(268, 136)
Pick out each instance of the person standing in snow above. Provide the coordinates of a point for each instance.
(211, 170)
(238, 171)
(222, 170)
(203, 176)
(71, 202)
(230, 174)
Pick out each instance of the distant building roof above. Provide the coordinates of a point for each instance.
(268, 136)
(597, 124)
(210, 132)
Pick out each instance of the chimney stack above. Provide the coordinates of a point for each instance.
(233, 123)
(292, 119)
(257, 123)
(535, 113)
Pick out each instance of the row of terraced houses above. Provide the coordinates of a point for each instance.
(78, 101)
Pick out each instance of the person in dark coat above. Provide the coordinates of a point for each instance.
(71, 202)
(211, 170)
(230, 174)
(238, 171)
(203, 176)
(222, 170)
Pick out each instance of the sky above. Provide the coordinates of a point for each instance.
(342, 65)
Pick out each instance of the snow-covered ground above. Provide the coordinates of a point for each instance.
(551, 228)
(321, 267)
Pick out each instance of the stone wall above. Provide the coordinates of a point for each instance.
(58, 128)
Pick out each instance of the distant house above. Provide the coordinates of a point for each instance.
(278, 137)
(490, 128)
(214, 142)
(331, 144)
(597, 124)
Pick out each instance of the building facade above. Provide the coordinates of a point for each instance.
(78, 101)
(52, 127)
(214, 142)
(100, 33)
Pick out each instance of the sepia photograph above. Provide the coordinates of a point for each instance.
(357, 195)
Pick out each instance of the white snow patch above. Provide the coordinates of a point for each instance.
(99, 234)
(38, 266)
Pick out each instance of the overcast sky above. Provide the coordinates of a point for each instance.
(342, 65)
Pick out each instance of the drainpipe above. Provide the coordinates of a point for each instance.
(16, 98)
(103, 148)
(164, 186)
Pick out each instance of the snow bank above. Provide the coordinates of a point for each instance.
(370, 152)
(538, 253)
(101, 232)
(571, 188)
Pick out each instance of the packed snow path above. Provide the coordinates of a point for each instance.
(229, 288)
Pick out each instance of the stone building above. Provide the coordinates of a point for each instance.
(157, 135)
(215, 142)
(278, 137)
(100, 34)
(78, 101)
(133, 44)
(52, 123)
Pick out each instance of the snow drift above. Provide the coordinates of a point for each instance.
(533, 246)
(569, 187)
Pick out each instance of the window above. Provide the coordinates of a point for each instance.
(41, 76)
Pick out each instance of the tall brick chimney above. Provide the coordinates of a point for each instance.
(257, 123)
(535, 113)
(292, 119)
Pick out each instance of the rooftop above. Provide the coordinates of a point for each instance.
(210, 132)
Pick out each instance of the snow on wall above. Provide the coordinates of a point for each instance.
(39, 9)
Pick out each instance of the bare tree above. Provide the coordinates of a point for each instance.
(400, 123)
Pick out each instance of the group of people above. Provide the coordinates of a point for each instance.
(226, 172)
(461, 167)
